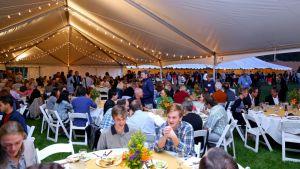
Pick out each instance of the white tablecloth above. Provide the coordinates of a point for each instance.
(97, 115)
(271, 124)
(190, 162)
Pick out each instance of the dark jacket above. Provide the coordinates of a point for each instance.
(247, 101)
(107, 105)
(269, 99)
(236, 110)
(196, 122)
(15, 116)
(128, 92)
(283, 90)
(77, 81)
(148, 91)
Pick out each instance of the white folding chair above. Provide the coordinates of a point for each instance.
(45, 120)
(237, 127)
(290, 134)
(200, 133)
(53, 149)
(55, 122)
(256, 131)
(104, 93)
(23, 108)
(226, 138)
(73, 116)
(30, 130)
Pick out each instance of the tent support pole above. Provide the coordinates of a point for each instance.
(214, 67)
(160, 70)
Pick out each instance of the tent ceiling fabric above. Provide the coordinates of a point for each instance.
(141, 32)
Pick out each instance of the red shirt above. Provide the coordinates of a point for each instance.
(180, 96)
(6, 118)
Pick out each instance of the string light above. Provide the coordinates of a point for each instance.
(19, 13)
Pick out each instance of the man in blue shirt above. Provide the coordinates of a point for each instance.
(148, 90)
(245, 80)
(209, 85)
(9, 113)
(82, 104)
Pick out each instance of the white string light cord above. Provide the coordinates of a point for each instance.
(42, 54)
(33, 42)
(45, 4)
(86, 53)
(116, 53)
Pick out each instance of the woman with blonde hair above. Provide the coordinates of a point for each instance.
(16, 151)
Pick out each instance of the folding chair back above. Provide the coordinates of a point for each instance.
(72, 117)
(54, 149)
(200, 133)
(56, 122)
(290, 133)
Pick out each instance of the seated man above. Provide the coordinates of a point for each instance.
(82, 104)
(219, 95)
(273, 98)
(252, 99)
(118, 135)
(175, 135)
(181, 95)
(9, 114)
(107, 120)
(110, 102)
(140, 119)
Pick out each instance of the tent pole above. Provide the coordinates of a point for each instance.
(214, 67)
(160, 71)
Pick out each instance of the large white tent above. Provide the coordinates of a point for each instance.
(68, 33)
(250, 63)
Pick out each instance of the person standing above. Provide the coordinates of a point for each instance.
(245, 80)
(148, 90)
(87, 81)
(77, 80)
(70, 82)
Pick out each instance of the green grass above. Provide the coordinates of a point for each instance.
(264, 159)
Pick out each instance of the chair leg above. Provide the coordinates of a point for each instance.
(233, 148)
(267, 142)
(70, 138)
(42, 128)
(283, 151)
(256, 143)
(240, 133)
(56, 133)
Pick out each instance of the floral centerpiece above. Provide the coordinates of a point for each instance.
(94, 94)
(165, 104)
(138, 155)
(293, 97)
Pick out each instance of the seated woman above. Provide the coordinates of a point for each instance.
(16, 152)
(238, 107)
(63, 105)
(164, 93)
(217, 118)
(35, 101)
(52, 99)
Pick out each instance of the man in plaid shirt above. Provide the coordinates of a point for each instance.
(176, 135)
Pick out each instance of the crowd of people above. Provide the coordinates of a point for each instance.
(129, 99)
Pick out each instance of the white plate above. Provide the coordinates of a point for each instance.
(107, 166)
(293, 117)
(160, 164)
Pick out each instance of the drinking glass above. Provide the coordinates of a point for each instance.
(179, 159)
(82, 154)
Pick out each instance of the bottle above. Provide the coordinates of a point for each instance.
(285, 111)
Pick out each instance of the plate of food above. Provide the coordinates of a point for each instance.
(159, 164)
(108, 162)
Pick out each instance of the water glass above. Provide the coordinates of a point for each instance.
(179, 160)
(82, 154)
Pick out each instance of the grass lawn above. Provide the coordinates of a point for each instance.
(264, 159)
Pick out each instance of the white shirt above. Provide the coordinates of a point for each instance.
(252, 100)
(87, 82)
(205, 76)
(276, 100)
